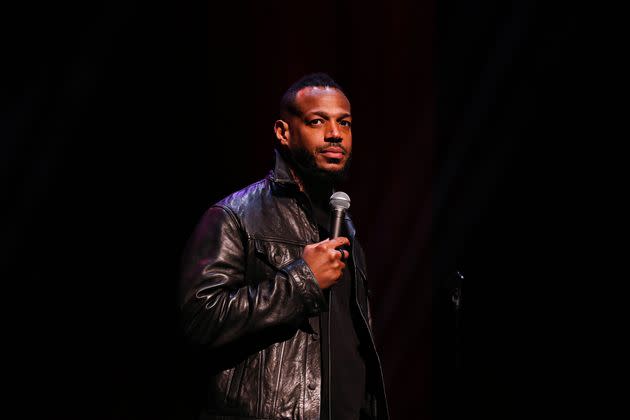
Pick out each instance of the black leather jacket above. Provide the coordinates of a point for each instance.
(251, 303)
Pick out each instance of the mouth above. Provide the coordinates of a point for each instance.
(333, 152)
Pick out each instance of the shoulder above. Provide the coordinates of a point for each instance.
(230, 210)
(239, 201)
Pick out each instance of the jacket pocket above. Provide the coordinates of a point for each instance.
(277, 254)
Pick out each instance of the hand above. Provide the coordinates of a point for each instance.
(326, 261)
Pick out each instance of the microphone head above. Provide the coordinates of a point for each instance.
(340, 200)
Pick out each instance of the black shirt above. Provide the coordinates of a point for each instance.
(344, 373)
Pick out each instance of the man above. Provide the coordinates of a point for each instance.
(258, 275)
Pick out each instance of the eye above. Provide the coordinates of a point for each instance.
(316, 122)
(345, 123)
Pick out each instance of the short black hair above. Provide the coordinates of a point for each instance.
(287, 103)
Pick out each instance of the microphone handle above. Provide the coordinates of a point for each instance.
(336, 222)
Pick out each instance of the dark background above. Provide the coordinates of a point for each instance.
(122, 123)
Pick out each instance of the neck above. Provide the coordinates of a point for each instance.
(318, 190)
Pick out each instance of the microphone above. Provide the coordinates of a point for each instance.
(339, 203)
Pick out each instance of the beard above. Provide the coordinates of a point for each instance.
(306, 165)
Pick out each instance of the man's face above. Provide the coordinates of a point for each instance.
(320, 138)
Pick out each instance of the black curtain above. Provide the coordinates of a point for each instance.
(123, 122)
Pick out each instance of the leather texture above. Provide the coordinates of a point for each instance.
(251, 304)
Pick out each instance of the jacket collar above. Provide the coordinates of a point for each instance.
(281, 174)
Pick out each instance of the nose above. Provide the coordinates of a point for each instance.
(333, 133)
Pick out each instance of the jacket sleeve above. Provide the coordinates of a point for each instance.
(219, 305)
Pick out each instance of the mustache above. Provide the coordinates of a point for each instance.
(328, 145)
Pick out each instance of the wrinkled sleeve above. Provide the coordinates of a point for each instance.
(219, 305)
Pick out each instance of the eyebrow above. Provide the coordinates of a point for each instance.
(325, 115)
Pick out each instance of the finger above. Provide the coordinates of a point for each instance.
(343, 254)
(339, 241)
(340, 254)
(340, 270)
(321, 245)
(334, 254)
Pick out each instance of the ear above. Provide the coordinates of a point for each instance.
(281, 128)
